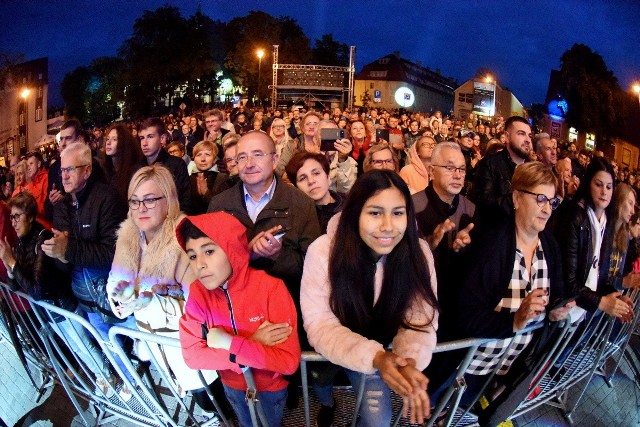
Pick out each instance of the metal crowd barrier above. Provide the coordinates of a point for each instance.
(573, 354)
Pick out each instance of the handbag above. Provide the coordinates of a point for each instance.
(97, 286)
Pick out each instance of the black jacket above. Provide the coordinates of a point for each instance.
(36, 274)
(92, 226)
(491, 191)
(574, 235)
(217, 182)
(178, 170)
(488, 277)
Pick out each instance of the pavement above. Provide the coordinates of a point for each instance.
(602, 405)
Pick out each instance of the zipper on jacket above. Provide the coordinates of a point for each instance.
(230, 305)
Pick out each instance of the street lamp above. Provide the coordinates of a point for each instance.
(260, 54)
(636, 89)
(24, 95)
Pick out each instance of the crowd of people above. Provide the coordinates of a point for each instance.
(253, 234)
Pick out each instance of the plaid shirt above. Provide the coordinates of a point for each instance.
(488, 356)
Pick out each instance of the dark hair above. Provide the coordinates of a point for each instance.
(75, 124)
(584, 189)
(298, 160)
(352, 267)
(129, 155)
(187, 231)
(26, 203)
(511, 120)
(35, 154)
(153, 122)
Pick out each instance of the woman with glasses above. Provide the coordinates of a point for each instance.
(33, 272)
(150, 274)
(514, 280)
(381, 156)
(586, 237)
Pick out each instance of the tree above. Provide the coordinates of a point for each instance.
(591, 91)
(155, 55)
(328, 51)
(73, 89)
(259, 30)
(7, 64)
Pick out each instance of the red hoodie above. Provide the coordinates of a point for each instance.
(249, 298)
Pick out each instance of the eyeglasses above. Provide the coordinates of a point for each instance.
(230, 161)
(278, 126)
(542, 200)
(382, 162)
(71, 169)
(149, 203)
(15, 217)
(452, 169)
(243, 158)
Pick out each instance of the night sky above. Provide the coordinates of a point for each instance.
(520, 40)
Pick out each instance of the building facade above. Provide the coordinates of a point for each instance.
(393, 82)
(486, 99)
(23, 108)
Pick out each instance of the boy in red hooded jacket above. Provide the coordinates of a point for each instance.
(237, 316)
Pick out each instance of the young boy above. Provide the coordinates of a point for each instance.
(237, 316)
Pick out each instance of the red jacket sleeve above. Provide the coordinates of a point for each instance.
(283, 358)
(196, 353)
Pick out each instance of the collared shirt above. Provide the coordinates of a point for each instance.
(489, 355)
(255, 207)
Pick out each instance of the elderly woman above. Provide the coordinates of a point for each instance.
(206, 182)
(515, 277)
(34, 273)
(150, 274)
(381, 156)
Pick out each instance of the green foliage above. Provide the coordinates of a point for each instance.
(259, 30)
(167, 52)
(591, 90)
(328, 51)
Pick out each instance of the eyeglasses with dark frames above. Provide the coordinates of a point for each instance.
(149, 203)
(542, 199)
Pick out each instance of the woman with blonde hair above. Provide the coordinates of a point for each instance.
(206, 180)
(381, 156)
(150, 274)
(278, 132)
(20, 182)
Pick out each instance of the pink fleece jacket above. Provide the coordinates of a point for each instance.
(338, 343)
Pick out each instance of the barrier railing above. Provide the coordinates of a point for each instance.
(43, 334)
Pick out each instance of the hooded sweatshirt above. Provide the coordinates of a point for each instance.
(415, 174)
(240, 306)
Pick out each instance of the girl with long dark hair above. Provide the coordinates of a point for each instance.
(372, 290)
(123, 156)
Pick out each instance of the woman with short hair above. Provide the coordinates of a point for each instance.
(206, 181)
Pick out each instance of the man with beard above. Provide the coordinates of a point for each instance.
(492, 187)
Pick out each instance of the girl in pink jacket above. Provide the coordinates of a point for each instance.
(368, 284)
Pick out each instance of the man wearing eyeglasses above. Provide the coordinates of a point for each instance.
(446, 219)
(267, 206)
(84, 231)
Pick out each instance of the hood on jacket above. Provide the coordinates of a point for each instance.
(416, 161)
(228, 233)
